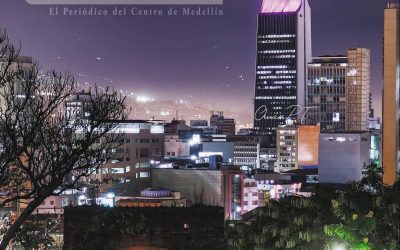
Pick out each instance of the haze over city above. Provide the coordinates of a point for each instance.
(187, 64)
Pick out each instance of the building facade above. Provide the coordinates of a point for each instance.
(247, 153)
(225, 126)
(326, 92)
(391, 95)
(250, 195)
(175, 146)
(283, 51)
(338, 91)
(222, 188)
(343, 156)
(297, 147)
(357, 89)
(129, 171)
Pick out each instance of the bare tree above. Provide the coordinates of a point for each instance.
(45, 152)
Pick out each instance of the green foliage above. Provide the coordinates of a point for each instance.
(363, 216)
(293, 222)
(368, 214)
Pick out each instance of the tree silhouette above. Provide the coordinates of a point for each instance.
(44, 151)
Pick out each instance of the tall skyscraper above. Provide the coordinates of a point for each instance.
(283, 51)
(391, 93)
(357, 89)
(338, 91)
(326, 92)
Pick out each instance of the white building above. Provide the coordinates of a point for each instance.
(174, 146)
(250, 195)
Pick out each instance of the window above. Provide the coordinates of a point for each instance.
(117, 160)
(144, 140)
(127, 169)
(119, 150)
(144, 152)
(144, 174)
(155, 140)
(128, 140)
(353, 138)
(144, 164)
(52, 203)
(255, 202)
(117, 170)
(156, 152)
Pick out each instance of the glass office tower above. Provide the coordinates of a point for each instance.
(283, 51)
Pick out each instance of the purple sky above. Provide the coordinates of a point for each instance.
(205, 59)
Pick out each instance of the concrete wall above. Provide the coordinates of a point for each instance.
(199, 186)
(342, 161)
(225, 147)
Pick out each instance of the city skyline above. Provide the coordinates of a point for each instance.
(200, 60)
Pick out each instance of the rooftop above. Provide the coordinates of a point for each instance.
(280, 6)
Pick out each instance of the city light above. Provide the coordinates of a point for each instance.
(180, 128)
(144, 99)
(337, 246)
(110, 195)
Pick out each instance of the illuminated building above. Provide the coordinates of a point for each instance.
(77, 106)
(23, 63)
(223, 148)
(283, 51)
(343, 156)
(152, 197)
(338, 91)
(326, 92)
(276, 186)
(375, 153)
(297, 147)
(247, 153)
(181, 140)
(195, 123)
(203, 126)
(143, 143)
(225, 126)
(357, 89)
(174, 146)
(221, 188)
(244, 151)
(250, 195)
(391, 95)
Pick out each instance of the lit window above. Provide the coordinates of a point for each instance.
(144, 174)
(341, 139)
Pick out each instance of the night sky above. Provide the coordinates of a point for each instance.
(202, 59)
